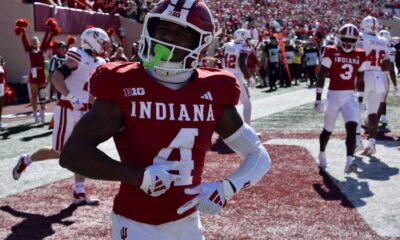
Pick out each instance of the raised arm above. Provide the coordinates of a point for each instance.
(25, 41)
(81, 155)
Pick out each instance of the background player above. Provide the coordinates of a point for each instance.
(390, 74)
(71, 80)
(377, 56)
(235, 56)
(345, 65)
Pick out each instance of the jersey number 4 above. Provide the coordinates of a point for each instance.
(184, 142)
(374, 59)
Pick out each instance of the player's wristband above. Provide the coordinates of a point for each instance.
(360, 94)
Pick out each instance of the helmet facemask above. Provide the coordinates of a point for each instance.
(348, 37)
(182, 58)
(347, 44)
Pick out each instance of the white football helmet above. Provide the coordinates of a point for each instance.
(369, 25)
(329, 40)
(95, 39)
(385, 34)
(347, 37)
(241, 36)
(191, 14)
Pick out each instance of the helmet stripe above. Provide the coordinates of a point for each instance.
(373, 24)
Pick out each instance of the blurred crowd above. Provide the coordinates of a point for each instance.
(132, 9)
(297, 17)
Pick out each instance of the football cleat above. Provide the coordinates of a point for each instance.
(322, 160)
(350, 165)
(81, 199)
(349, 168)
(368, 151)
(20, 167)
(2, 126)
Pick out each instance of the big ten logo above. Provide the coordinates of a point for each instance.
(134, 91)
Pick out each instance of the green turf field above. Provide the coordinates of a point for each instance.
(304, 117)
(23, 137)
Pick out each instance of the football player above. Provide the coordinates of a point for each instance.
(390, 74)
(376, 49)
(345, 64)
(162, 114)
(71, 80)
(236, 53)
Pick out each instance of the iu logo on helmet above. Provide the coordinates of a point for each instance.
(124, 233)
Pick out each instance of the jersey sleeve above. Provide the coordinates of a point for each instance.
(74, 55)
(227, 88)
(102, 86)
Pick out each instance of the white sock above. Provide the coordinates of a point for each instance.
(27, 159)
(79, 187)
(358, 138)
(349, 160)
(371, 142)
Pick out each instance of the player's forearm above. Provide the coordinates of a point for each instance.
(93, 163)
(256, 161)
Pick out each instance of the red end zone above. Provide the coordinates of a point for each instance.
(294, 201)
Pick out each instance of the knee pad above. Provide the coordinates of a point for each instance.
(42, 95)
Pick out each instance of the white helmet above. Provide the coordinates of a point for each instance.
(347, 37)
(385, 34)
(241, 36)
(369, 25)
(329, 40)
(95, 39)
(190, 14)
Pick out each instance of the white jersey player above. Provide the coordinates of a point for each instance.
(71, 80)
(377, 56)
(388, 74)
(235, 56)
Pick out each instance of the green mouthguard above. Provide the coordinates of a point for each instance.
(161, 53)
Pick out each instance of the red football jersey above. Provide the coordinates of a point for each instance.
(162, 124)
(343, 67)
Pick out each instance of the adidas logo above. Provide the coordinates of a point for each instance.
(207, 96)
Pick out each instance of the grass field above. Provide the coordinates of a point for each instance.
(304, 117)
